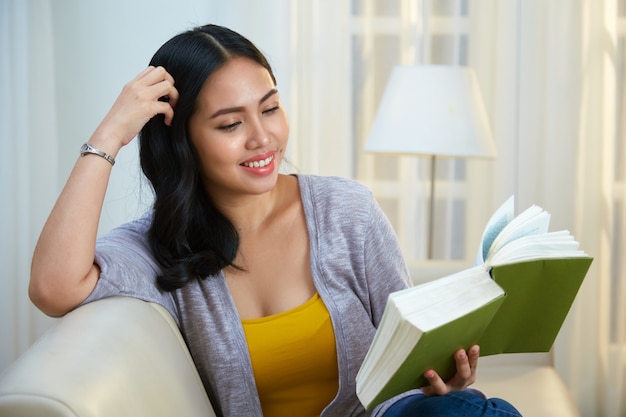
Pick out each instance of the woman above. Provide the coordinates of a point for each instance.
(277, 282)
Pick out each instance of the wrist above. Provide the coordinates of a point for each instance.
(107, 140)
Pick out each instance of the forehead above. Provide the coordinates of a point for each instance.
(237, 82)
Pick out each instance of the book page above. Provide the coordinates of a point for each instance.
(560, 244)
(497, 222)
(532, 221)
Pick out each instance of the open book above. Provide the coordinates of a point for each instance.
(514, 300)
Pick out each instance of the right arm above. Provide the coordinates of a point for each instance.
(63, 272)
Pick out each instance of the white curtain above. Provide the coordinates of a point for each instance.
(601, 214)
(556, 80)
(320, 106)
(28, 155)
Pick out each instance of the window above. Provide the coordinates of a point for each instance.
(385, 34)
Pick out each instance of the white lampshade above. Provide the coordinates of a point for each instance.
(432, 110)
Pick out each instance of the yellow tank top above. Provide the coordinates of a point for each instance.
(294, 359)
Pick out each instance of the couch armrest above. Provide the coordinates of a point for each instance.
(114, 357)
(535, 390)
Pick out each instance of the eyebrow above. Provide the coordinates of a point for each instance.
(241, 108)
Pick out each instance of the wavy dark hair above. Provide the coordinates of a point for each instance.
(189, 237)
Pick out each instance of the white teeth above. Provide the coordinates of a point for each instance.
(257, 164)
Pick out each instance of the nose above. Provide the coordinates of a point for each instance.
(258, 136)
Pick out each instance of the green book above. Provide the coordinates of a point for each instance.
(513, 300)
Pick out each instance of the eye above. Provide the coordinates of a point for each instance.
(272, 110)
(230, 127)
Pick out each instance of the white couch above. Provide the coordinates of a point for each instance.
(536, 390)
(124, 357)
(115, 357)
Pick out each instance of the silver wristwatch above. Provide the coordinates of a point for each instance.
(87, 148)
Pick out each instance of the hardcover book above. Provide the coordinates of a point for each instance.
(515, 299)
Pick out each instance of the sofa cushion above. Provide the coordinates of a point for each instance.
(536, 391)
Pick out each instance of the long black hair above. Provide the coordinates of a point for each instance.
(189, 237)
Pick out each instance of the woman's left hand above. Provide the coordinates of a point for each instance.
(466, 363)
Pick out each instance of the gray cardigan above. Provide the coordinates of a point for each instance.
(355, 260)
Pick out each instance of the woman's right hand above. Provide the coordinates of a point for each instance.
(139, 101)
(63, 272)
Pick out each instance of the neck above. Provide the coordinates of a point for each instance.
(249, 213)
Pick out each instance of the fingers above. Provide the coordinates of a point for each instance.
(466, 365)
(463, 369)
(437, 385)
(151, 92)
(473, 354)
(142, 73)
(148, 84)
(162, 89)
(168, 95)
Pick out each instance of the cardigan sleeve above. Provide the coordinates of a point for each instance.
(385, 268)
(127, 267)
(355, 241)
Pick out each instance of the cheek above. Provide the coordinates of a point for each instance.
(218, 153)
(208, 143)
(282, 128)
(210, 152)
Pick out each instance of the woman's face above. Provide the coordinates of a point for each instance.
(239, 130)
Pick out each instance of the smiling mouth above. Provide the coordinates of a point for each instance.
(259, 164)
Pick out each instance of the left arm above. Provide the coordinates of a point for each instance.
(384, 259)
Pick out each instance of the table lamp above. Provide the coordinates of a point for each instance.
(432, 110)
